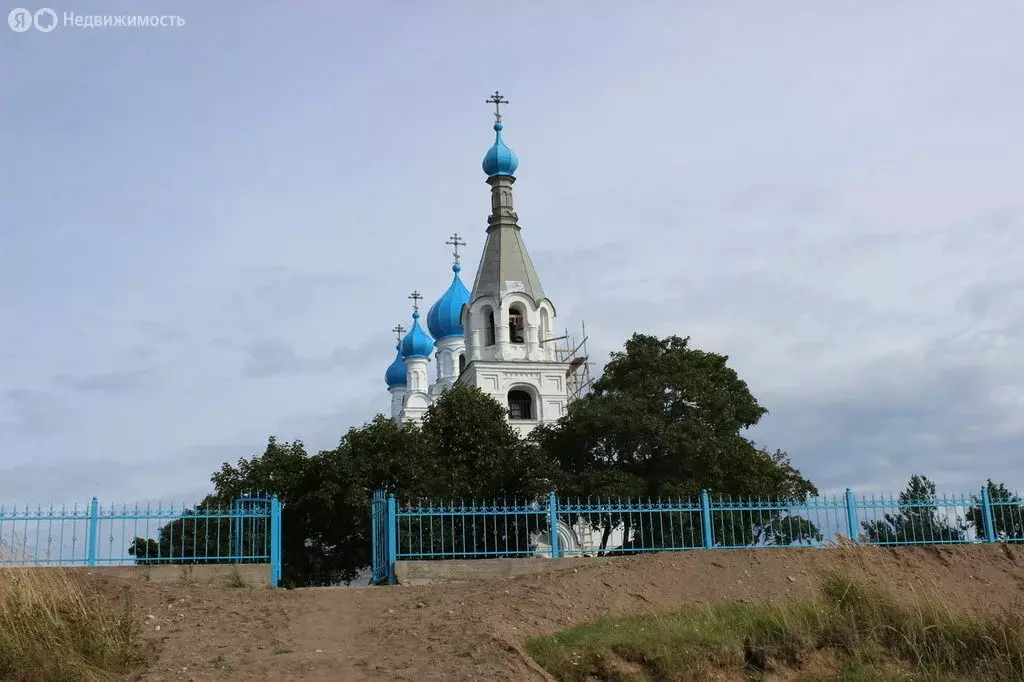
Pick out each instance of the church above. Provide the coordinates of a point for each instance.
(499, 336)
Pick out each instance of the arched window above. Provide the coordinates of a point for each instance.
(488, 326)
(462, 363)
(516, 325)
(520, 405)
(545, 324)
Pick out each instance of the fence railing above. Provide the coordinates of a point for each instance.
(247, 531)
(513, 528)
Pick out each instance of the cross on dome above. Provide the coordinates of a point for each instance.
(416, 297)
(497, 99)
(499, 160)
(456, 241)
(398, 330)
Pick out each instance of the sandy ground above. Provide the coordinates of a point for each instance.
(474, 631)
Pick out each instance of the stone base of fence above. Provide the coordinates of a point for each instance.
(209, 575)
(460, 571)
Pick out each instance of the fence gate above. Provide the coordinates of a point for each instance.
(380, 569)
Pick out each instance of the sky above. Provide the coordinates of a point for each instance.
(209, 230)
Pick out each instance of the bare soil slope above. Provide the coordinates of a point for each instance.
(474, 631)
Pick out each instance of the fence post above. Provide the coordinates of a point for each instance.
(275, 541)
(374, 525)
(705, 516)
(236, 531)
(986, 513)
(851, 516)
(392, 533)
(553, 524)
(92, 540)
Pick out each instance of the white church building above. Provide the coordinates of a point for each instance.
(498, 337)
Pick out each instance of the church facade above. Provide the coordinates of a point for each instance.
(499, 336)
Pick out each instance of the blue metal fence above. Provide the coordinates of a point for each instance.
(469, 530)
(249, 531)
(378, 538)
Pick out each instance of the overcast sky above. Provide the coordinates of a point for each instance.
(208, 231)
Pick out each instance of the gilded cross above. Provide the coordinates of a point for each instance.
(415, 297)
(497, 99)
(456, 241)
(398, 330)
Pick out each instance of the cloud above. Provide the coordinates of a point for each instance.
(771, 198)
(237, 275)
(901, 417)
(285, 293)
(34, 412)
(111, 382)
(271, 357)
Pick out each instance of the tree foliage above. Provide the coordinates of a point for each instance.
(664, 420)
(1007, 510)
(917, 519)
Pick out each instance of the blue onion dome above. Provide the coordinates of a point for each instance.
(444, 319)
(395, 376)
(417, 344)
(500, 160)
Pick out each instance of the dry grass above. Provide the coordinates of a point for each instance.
(851, 629)
(53, 627)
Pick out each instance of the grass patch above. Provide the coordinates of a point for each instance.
(54, 628)
(851, 630)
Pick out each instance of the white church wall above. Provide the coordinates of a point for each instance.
(579, 539)
(544, 382)
(397, 401)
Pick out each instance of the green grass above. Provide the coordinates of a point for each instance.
(851, 631)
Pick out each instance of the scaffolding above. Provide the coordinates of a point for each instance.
(575, 355)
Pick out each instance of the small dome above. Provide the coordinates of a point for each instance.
(395, 376)
(500, 160)
(417, 344)
(444, 319)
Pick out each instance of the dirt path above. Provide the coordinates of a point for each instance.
(474, 631)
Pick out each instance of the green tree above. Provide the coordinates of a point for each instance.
(1007, 513)
(474, 458)
(464, 451)
(917, 519)
(475, 452)
(204, 534)
(666, 421)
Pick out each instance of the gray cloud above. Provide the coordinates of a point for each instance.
(270, 357)
(860, 264)
(34, 412)
(897, 421)
(769, 198)
(111, 382)
(287, 294)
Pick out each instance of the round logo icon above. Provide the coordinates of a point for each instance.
(20, 19)
(45, 20)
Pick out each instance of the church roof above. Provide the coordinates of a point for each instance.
(505, 266)
(417, 344)
(499, 159)
(395, 374)
(444, 319)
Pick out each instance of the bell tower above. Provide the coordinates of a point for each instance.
(509, 321)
